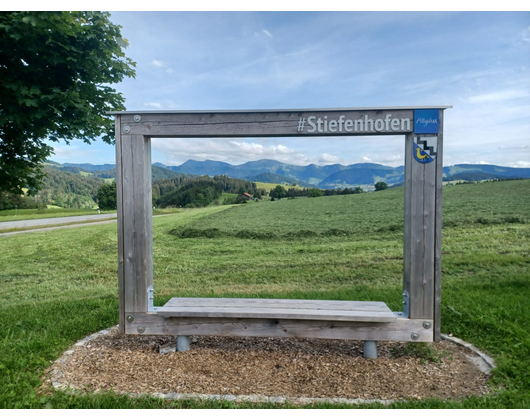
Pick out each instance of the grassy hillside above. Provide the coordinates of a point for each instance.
(268, 186)
(463, 205)
(267, 177)
(60, 286)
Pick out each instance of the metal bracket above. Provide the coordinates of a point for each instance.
(406, 306)
(151, 300)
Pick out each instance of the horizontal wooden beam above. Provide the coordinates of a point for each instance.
(270, 124)
(401, 330)
(239, 111)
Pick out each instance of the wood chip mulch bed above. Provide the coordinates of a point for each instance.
(275, 367)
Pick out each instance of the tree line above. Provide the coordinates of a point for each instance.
(183, 191)
(60, 188)
(311, 192)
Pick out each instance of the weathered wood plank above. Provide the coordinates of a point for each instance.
(119, 201)
(282, 313)
(279, 303)
(429, 219)
(416, 241)
(285, 124)
(128, 210)
(137, 221)
(414, 246)
(438, 235)
(401, 330)
(254, 111)
(409, 149)
(148, 212)
(419, 234)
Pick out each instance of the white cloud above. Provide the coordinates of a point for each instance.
(526, 34)
(155, 105)
(63, 152)
(393, 160)
(162, 65)
(267, 33)
(74, 154)
(503, 95)
(514, 147)
(326, 159)
(234, 151)
(519, 164)
(366, 159)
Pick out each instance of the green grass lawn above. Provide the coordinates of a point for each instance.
(225, 195)
(60, 286)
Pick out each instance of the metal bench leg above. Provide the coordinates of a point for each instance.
(370, 349)
(183, 342)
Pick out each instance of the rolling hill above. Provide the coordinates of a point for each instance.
(325, 177)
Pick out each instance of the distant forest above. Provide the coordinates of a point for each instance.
(201, 191)
(66, 187)
(69, 190)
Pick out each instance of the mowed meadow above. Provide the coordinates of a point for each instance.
(60, 286)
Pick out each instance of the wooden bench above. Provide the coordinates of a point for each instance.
(326, 310)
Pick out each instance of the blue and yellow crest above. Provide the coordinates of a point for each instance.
(425, 148)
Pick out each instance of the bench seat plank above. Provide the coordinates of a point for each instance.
(280, 303)
(277, 309)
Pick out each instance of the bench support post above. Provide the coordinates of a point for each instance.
(183, 342)
(370, 349)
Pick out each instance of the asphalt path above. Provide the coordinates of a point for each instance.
(54, 221)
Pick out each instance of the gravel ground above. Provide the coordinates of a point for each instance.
(273, 366)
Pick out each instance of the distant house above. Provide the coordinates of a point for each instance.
(246, 196)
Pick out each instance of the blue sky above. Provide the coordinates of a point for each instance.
(479, 62)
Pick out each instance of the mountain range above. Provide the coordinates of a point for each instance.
(325, 177)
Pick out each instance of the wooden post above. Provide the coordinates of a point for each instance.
(419, 235)
(438, 233)
(135, 228)
(119, 202)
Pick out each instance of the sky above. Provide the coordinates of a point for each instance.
(478, 62)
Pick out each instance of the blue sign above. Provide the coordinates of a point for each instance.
(426, 121)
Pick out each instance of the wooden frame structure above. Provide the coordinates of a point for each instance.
(420, 318)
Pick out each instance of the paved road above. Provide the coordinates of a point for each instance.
(54, 221)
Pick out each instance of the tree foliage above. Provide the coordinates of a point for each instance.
(166, 191)
(278, 192)
(68, 190)
(314, 192)
(107, 197)
(199, 193)
(379, 186)
(8, 201)
(55, 71)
